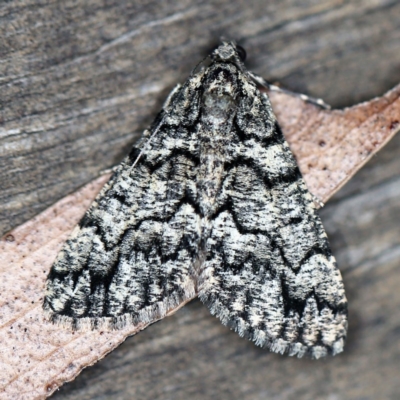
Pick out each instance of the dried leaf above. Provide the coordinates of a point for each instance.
(332, 145)
(37, 356)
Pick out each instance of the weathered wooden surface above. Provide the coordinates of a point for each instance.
(78, 79)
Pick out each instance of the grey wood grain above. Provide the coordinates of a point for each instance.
(80, 80)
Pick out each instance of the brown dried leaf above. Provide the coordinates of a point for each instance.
(332, 145)
(37, 356)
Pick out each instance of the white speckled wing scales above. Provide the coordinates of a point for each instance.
(130, 260)
(269, 272)
(212, 202)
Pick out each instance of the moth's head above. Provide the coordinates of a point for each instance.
(229, 52)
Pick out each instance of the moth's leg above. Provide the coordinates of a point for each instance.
(268, 85)
(317, 202)
(108, 170)
(173, 91)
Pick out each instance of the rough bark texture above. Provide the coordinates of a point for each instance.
(79, 79)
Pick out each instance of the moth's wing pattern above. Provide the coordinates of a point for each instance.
(213, 201)
(269, 273)
(131, 258)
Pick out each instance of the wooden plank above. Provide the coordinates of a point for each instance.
(80, 81)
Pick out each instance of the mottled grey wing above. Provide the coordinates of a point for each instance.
(269, 272)
(131, 258)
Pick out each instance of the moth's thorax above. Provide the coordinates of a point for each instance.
(217, 108)
(218, 102)
(218, 111)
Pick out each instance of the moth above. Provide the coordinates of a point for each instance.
(210, 202)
